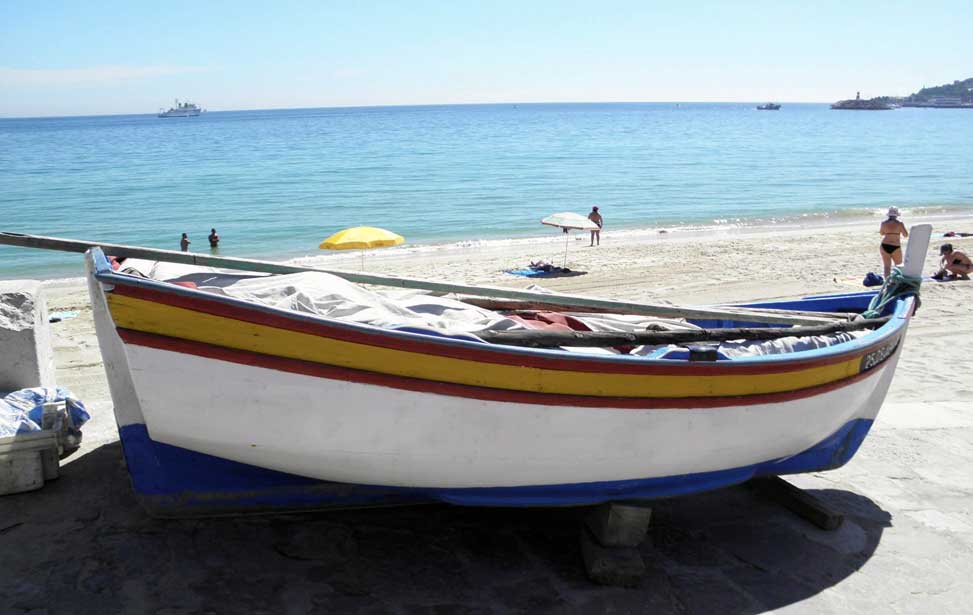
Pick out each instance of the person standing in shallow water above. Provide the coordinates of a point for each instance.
(892, 231)
(214, 239)
(184, 243)
(595, 217)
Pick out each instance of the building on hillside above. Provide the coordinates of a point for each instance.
(946, 101)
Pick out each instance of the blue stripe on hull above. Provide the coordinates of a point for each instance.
(170, 481)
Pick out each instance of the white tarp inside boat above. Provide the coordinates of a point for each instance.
(177, 272)
(333, 297)
(330, 296)
(785, 345)
(744, 348)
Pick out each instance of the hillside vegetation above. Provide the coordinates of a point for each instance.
(962, 89)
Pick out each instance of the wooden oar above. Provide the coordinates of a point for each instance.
(551, 339)
(562, 301)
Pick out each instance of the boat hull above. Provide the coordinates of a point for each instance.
(180, 113)
(171, 481)
(369, 434)
(217, 416)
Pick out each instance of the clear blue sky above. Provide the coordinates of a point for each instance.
(77, 58)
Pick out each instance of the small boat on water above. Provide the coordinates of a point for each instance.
(242, 385)
(181, 109)
(768, 107)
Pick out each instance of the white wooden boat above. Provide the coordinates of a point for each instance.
(227, 405)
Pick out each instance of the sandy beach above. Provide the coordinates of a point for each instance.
(82, 545)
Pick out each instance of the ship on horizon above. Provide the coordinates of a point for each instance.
(184, 109)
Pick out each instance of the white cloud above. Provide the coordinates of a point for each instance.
(14, 77)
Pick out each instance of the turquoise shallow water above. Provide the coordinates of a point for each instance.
(275, 183)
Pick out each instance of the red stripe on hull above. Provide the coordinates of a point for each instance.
(331, 372)
(488, 354)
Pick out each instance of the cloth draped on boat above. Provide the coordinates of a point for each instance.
(330, 296)
(550, 321)
(333, 297)
(744, 348)
(176, 272)
(327, 295)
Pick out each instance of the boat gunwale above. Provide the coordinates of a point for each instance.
(105, 274)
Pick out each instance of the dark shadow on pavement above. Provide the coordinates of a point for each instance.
(82, 544)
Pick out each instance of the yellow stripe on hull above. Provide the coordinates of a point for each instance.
(181, 323)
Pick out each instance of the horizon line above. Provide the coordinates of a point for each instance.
(463, 104)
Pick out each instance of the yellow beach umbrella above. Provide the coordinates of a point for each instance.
(361, 238)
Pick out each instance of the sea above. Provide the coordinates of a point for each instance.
(276, 183)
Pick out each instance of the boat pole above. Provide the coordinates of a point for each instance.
(567, 236)
(781, 317)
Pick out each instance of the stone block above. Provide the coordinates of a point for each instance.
(26, 355)
(619, 525)
(616, 566)
(798, 501)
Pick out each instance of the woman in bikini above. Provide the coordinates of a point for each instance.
(892, 231)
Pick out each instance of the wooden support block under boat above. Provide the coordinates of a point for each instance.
(551, 339)
(798, 501)
(619, 525)
(612, 566)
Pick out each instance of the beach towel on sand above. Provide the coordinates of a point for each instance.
(532, 273)
(539, 269)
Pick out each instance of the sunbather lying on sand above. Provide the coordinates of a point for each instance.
(547, 267)
(955, 264)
